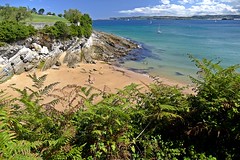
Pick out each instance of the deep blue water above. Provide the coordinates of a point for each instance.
(166, 53)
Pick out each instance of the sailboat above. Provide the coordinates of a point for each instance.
(159, 31)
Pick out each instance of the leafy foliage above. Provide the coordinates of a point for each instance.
(215, 115)
(60, 30)
(157, 123)
(9, 13)
(12, 31)
(41, 11)
(73, 15)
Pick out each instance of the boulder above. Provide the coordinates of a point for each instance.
(29, 67)
(21, 61)
(58, 63)
(44, 50)
(72, 58)
(2, 61)
(36, 47)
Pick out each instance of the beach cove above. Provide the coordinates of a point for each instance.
(105, 75)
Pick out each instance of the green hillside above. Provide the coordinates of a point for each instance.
(45, 18)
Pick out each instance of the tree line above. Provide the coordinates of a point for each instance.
(13, 28)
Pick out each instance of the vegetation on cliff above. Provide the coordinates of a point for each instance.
(160, 123)
(11, 31)
(13, 28)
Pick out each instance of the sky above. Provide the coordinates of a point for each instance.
(103, 9)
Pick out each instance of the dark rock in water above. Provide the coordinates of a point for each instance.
(179, 74)
(160, 66)
(150, 68)
(133, 58)
(142, 71)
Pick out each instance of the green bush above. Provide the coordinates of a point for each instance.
(63, 30)
(74, 30)
(13, 31)
(60, 30)
(51, 31)
(215, 110)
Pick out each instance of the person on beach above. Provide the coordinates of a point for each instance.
(89, 79)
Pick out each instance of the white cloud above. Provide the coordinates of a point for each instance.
(188, 8)
(212, 9)
(165, 2)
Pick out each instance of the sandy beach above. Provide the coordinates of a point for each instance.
(101, 75)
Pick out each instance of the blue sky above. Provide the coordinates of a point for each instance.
(115, 8)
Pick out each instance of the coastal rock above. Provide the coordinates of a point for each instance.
(107, 47)
(44, 50)
(27, 54)
(52, 58)
(58, 63)
(29, 67)
(9, 51)
(2, 61)
(72, 58)
(20, 61)
(36, 47)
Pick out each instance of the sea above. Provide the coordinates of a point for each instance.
(167, 44)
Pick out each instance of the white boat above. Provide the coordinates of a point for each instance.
(159, 31)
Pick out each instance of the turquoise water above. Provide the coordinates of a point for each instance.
(166, 53)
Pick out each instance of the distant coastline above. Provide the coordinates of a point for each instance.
(200, 17)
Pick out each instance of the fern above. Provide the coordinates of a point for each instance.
(10, 147)
(38, 81)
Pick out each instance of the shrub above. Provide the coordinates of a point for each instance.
(52, 31)
(214, 119)
(13, 31)
(63, 30)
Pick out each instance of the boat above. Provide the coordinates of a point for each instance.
(159, 31)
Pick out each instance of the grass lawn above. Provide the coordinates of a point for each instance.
(45, 18)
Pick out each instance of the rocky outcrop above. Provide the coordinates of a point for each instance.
(44, 53)
(108, 47)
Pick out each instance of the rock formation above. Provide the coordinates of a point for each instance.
(44, 53)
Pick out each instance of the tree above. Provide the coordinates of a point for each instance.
(34, 10)
(60, 15)
(41, 11)
(22, 13)
(9, 13)
(73, 15)
(86, 24)
(49, 13)
(6, 12)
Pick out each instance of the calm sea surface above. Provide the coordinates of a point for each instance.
(167, 43)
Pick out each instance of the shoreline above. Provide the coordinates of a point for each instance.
(100, 75)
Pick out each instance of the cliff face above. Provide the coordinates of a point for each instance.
(44, 53)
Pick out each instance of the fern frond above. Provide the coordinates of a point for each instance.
(52, 103)
(47, 88)
(5, 99)
(38, 82)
